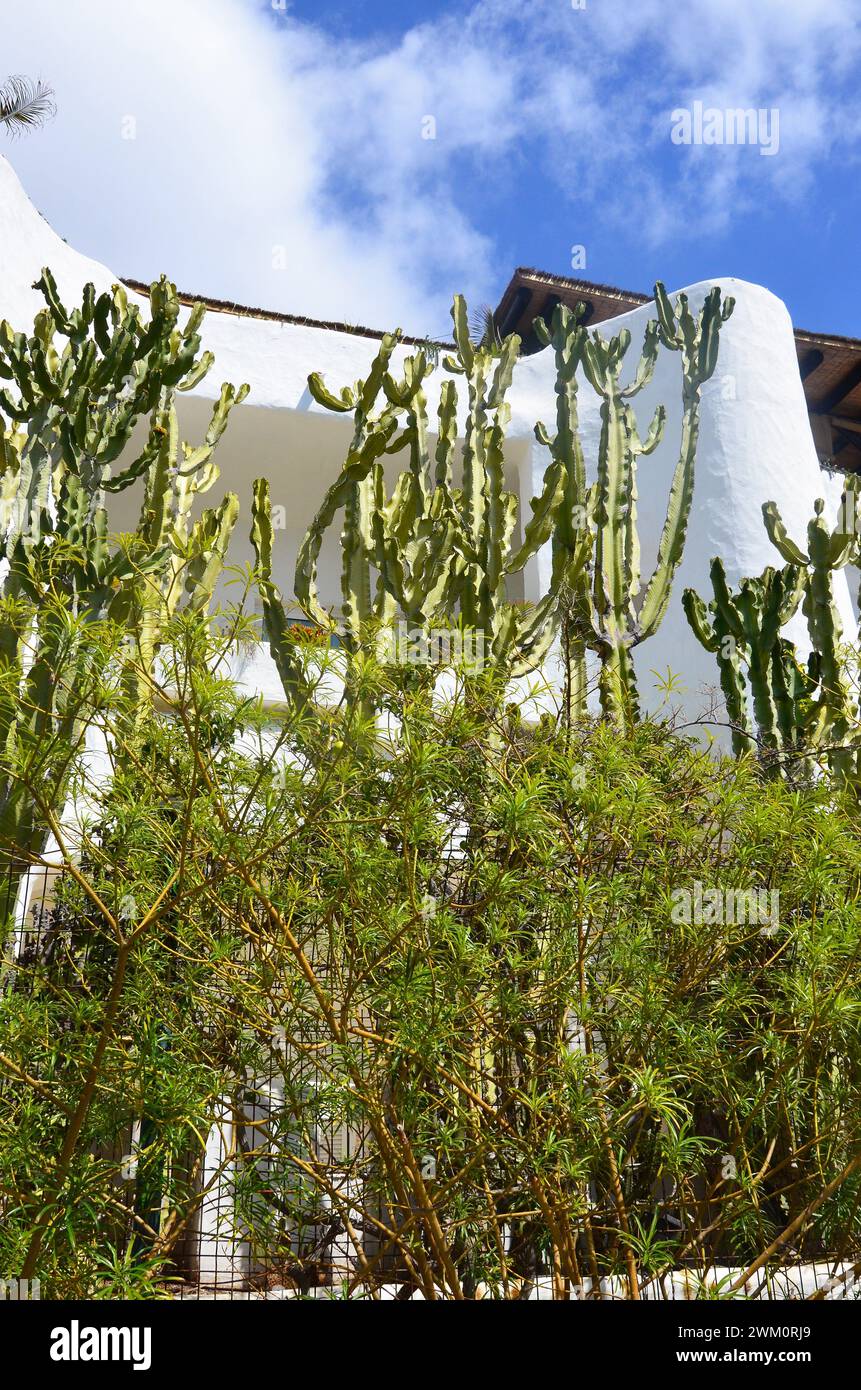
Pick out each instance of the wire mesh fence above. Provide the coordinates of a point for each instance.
(252, 1223)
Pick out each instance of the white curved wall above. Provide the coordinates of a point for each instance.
(755, 439)
(755, 446)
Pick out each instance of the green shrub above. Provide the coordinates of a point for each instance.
(502, 1039)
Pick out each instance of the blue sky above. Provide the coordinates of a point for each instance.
(276, 152)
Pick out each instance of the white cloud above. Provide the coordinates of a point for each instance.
(253, 136)
(228, 175)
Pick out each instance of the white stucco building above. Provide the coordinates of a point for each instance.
(756, 439)
(757, 443)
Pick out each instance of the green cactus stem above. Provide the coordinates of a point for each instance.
(434, 553)
(77, 387)
(744, 627)
(571, 545)
(596, 536)
(276, 624)
(827, 551)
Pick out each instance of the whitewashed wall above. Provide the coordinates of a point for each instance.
(755, 440)
(755, 446)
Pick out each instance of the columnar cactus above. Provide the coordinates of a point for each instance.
(516, 639)
(194, 551)
(76, 389)
(73, 408)
(434, 552)
(610, 605)
(571, 542)
(276, 625)
(415, 533)
(366, 603)
(826, 552)
(744, 628)
(364, 599)
(810, 711)
(795, 691)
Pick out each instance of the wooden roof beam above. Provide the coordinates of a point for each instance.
(807, 364)
(844, 388)
(520, 300)
(845, 441)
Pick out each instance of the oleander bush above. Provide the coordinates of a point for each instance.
(445, 986)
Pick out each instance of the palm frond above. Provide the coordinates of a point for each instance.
(482, 328)
(25, 104)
